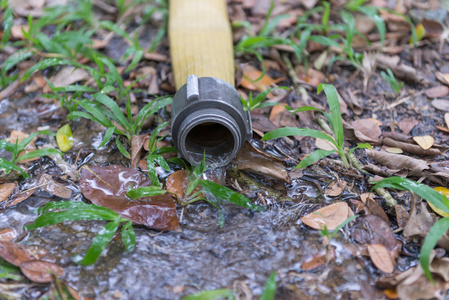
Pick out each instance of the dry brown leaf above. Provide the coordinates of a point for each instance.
(391, 294)
(394, 150)
(446, 119)
(69, 75)
(41, 271)
(366, 130)
(411, 148)
(433, 29)
(318, 260)
(335, 188)
(14, 253)
(17, 33)
(53, 187)
(437, 91)
(5, 190)
(376, 209)
(324, 145)
(406, 125)
(426, 141)
(8, 235)
(398, 161)
(330, 216)
(252, 160)
(402, 215)
(372, 229)
(19, 197)
(442, 77)
(442, 128)
(250, 74)
(177, 183)
(366, 196)
(441, 104)
(380, 256)
(418, 287)
(281, 117)
(137, 142)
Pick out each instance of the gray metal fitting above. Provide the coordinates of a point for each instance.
(207, 116)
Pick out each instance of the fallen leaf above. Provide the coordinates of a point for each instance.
(335, 188)
(137, 142)
(367, 130)
(64, 138)
(411, 148)
(19, 197)
(402, 215)
(376, 209)
(441, 104)
(40, 271)
(107, 187)
(372, 229)
(177, 183)
(281, 117)
(391, 294)
(50, 185)
(380, 257)
(7, 235)
(250, 74)
(5, 190)
(444, 191)
(69, 75)
(394, 150)
(318, 260)
(406, 125)
(440, 266)
(426, 141)
(17, 33)
(14, 253)
(324, 145)
(446, 119)
(249, 159)
(262, 123)
(398, 161)
(418, 287)
(420, 221)
(442, 77)
(437, 91)
(432, 28)
(330, 216)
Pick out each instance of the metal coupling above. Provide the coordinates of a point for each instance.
(208, 117)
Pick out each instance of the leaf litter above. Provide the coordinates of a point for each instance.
(361, 89)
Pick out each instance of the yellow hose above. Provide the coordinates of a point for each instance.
(200, 40)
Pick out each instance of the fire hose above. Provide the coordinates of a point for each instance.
(207, 114)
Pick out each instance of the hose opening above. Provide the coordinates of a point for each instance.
(214, 138)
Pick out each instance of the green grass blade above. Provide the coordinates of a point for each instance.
(121, 148)
(347, 221)
(210, 295)
(372, 12)
(270, 288)
(420, 189)
(149, 110)
(146, 191)
(128, 236)
(94, 112)
(14, 59)
(107, 136)
(361, 146)
(435, 233)
(7, 24)
(39, 153)
(74, 88)
(8, 166)
(76, 205)
(152, 171)
(46, 63)
(55, 217)
(323, 40)
(223, 193)
(334, 106)
(117, 112)
(314, 157)
(292, 131)
(99, 243)
(161, 162)
(136, 59)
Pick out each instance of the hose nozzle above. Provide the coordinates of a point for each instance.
(208, 118)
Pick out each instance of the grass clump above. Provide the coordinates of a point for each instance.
(392, 81)
(432, 196)
(334, 118)
(17, 150)
(58, 212)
